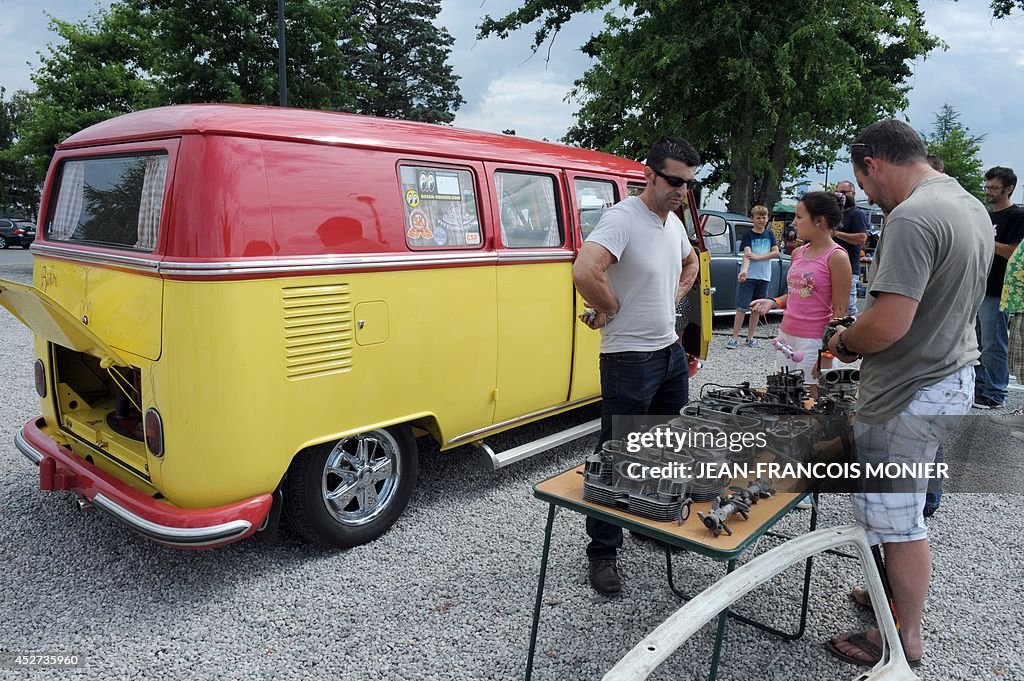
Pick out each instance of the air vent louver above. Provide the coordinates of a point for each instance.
(318, 333)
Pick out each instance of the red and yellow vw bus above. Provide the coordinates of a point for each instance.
(241, 311)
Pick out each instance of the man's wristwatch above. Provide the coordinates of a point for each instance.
(842, 349)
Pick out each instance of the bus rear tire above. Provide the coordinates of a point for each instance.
(352, 491)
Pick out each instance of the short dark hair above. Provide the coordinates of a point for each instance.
(891, 140)
(823, 204)
(1003, 174)
(936, 162)
(672, 147)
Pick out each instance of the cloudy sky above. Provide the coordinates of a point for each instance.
(506, 86)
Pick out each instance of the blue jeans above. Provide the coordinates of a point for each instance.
(851, 308)
(993, 339)
(635, 384)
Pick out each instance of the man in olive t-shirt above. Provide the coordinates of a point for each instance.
(928, 252)
(917, 339)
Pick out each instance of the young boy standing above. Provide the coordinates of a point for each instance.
(759, 247)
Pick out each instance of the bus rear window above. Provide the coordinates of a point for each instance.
(110, 201)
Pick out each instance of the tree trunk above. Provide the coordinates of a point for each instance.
(769, 189)
(741, 170)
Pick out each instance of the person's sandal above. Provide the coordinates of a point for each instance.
(864, 645)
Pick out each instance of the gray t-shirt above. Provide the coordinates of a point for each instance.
(645, 278)
(936, 248)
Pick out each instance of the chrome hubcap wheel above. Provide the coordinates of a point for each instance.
(361, 476)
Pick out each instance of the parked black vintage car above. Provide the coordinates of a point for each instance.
(16, 232)
(722, 235)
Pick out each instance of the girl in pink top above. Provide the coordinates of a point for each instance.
(819, 281)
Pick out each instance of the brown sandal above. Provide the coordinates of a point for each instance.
(864, 645)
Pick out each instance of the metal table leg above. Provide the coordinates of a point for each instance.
(540, 590)
(716, 655)
(722, 618)
(804, 596)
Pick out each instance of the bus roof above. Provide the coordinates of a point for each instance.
(339, 129)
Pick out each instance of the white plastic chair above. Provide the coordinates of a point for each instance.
(655, 648)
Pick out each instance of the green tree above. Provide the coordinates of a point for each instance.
(959, 150)
(1004, 8)
(96, 72)
(143, 53)
(764, 90)
(19, 186)
(400, 56)
(214, 51)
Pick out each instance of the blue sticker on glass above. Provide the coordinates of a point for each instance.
(440, 236)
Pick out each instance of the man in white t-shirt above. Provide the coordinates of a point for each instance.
(633, 269)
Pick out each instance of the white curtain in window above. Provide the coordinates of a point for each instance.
(151, 202)
(70, 197)
(554, 234)
(499, 186)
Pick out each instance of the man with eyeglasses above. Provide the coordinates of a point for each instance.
(851, 235)
(916, 337)
(633, 270)
(1008, 224)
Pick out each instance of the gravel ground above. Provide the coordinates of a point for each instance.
(448, 592)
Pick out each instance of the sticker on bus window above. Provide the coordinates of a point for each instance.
(444, 186)
(419, 226)
(440, 207)
(448, 187)
(427, 183)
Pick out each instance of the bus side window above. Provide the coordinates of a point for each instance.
(592, 198)
(529, 212)
(440, 207)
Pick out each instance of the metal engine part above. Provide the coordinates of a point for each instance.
(754, 492)
(723, 508)
(606, 481)
(787, 387)
(837, 390)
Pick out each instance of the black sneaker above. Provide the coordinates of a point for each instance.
(982, 402)
(604, 577)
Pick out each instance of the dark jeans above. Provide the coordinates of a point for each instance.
(934, 495)
(636, 384)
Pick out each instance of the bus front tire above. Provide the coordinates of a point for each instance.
(350, 492)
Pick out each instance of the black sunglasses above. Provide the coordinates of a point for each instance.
(673, 180)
